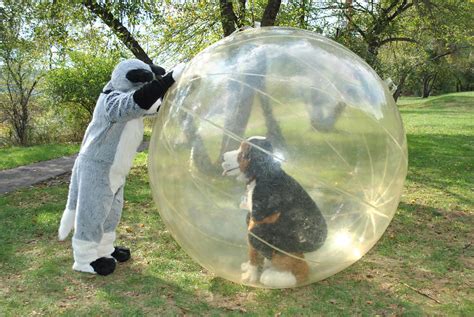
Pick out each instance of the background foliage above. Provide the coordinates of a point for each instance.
(56, 56)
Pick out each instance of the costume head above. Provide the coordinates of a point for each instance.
(132, 74)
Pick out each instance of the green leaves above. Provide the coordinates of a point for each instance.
(80, 80)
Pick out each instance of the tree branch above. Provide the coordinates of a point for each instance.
(10, 71)
(397, 39)
(403, 7)
(355, 26)
(118, 28)
(30, 91)
(392, 5)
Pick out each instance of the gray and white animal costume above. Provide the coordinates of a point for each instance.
(95, 199)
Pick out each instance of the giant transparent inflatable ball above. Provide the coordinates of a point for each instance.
(278, 158)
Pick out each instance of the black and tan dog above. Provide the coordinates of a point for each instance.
(283, 221)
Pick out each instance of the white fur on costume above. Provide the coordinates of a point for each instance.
(106, 245)
(85, 252)
(130, 140)
(67, 223)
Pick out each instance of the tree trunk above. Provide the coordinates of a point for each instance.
(427, 83)
(459, 86)
(424, 92)
(302, 19)
(228, 17)
(349, 13)
(270, 13)
(20, 122)
(24, 123)
(118, 28)
(372, 52)
(399, 89)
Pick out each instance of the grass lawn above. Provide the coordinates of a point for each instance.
(423, 265)
(11, 157)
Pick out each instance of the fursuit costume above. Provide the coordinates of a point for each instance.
(95, 199)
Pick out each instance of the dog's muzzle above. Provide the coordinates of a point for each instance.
(230, 165)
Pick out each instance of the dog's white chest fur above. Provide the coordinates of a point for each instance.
(130, 139)
(250, 189)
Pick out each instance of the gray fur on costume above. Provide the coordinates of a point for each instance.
(95, 199)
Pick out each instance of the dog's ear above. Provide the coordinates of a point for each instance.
(139, 76)
(267, 146)
(258, 145)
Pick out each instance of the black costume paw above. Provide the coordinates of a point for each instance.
(149, 93)
(157, 70)
(121, 254)
(103, 266)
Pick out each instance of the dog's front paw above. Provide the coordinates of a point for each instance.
(267, 264)
(244, 266)
(277, 279)
(250, 273)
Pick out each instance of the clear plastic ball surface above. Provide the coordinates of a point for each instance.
(278, 158)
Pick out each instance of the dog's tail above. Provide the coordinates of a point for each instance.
(67, 223)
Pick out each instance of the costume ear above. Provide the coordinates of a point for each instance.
(139, 76)
(159, 71)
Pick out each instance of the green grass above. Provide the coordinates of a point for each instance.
(11, 157)
(417, 100)
(421, 266)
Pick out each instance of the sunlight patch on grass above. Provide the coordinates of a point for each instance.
(11, 157)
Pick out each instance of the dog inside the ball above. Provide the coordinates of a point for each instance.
(283, 221)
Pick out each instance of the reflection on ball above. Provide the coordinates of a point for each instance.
(278, 158)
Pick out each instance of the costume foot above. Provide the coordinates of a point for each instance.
(121, 254)
(103, 266)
